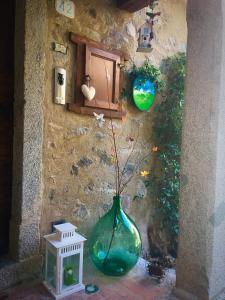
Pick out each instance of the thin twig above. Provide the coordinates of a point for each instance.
(112, 237)
(123, 185)
(128, 159)
(117, 167)
(120, 185)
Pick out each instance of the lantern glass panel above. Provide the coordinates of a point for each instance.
(51, 269)
(70, 270)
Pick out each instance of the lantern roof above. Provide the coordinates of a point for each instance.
(55, 242)
(65, 227)
(146, 24)
(65, 235)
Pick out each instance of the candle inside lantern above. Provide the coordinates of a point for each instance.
(69, 275)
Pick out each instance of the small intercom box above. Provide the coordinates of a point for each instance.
(60, 86)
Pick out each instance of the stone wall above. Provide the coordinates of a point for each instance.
(77, 169)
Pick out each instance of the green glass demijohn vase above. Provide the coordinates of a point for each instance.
(115, 242)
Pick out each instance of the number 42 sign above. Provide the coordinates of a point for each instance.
(65, 7)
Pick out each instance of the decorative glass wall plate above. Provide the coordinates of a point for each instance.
(143, 93)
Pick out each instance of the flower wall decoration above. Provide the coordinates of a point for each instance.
(99, 118)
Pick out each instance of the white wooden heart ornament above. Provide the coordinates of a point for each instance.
(88, 92)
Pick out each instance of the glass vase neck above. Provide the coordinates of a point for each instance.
(117, 201)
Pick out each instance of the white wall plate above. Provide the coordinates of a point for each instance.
(65, 7)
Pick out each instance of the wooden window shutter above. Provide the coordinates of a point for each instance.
(104, 71)
(102, 66)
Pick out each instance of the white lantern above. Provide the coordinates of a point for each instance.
(64, 261)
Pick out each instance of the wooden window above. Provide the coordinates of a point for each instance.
(95, 62)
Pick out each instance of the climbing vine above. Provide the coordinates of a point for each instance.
(165, 178)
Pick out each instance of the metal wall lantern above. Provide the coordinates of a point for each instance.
(146, 32)
(64, 261)
(145, 37)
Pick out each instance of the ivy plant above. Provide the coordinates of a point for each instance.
(165, 178)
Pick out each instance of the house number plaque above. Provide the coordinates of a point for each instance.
(65, 7)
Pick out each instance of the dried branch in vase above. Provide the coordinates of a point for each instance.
(122, 178)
